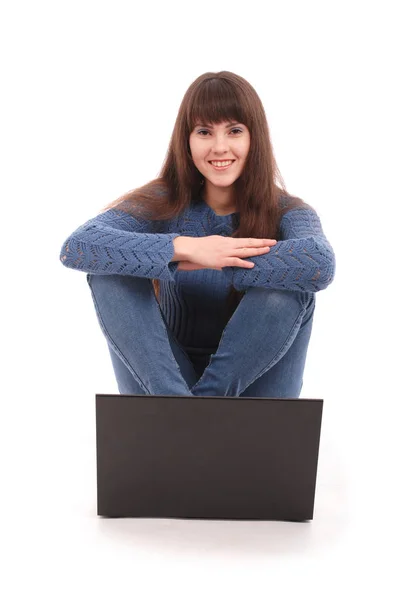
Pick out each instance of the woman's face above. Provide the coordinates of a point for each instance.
(228, 141)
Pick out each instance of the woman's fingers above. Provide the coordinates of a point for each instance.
(251, 251)
(253, 242)
(246, 247)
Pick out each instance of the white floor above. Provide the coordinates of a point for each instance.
(56, 546)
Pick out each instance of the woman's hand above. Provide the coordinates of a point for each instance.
(217, 251)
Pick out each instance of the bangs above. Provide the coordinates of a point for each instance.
(215, 101)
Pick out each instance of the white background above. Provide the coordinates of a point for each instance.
(90, 93)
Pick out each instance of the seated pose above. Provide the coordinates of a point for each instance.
(204, 279)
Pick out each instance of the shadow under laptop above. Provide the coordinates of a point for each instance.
(222, 538)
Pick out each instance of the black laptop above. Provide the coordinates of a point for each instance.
(208, 457)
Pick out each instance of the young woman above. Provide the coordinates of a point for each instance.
(204, 279)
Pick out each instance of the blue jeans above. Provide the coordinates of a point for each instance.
(262, 350)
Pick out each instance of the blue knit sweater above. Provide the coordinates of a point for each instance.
(193, 302)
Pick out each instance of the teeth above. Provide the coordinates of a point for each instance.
(221, 163)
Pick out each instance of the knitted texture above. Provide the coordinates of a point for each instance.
(304, 260)
(114, 243)
(193, 302)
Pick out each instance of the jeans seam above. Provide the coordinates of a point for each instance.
(210, 358)
(119, 353)
(280, 353)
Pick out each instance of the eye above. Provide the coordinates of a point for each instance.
(234, 129)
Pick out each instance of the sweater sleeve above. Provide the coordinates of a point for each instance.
(303, 260)
(117, 243)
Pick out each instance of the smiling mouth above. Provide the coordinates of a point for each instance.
(222, 167)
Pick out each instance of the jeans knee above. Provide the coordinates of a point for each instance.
(275, 298)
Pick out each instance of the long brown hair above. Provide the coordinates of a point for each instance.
(214, 98)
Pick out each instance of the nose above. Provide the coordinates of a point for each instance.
(220, 144)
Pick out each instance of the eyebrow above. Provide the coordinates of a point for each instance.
(211, 126)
